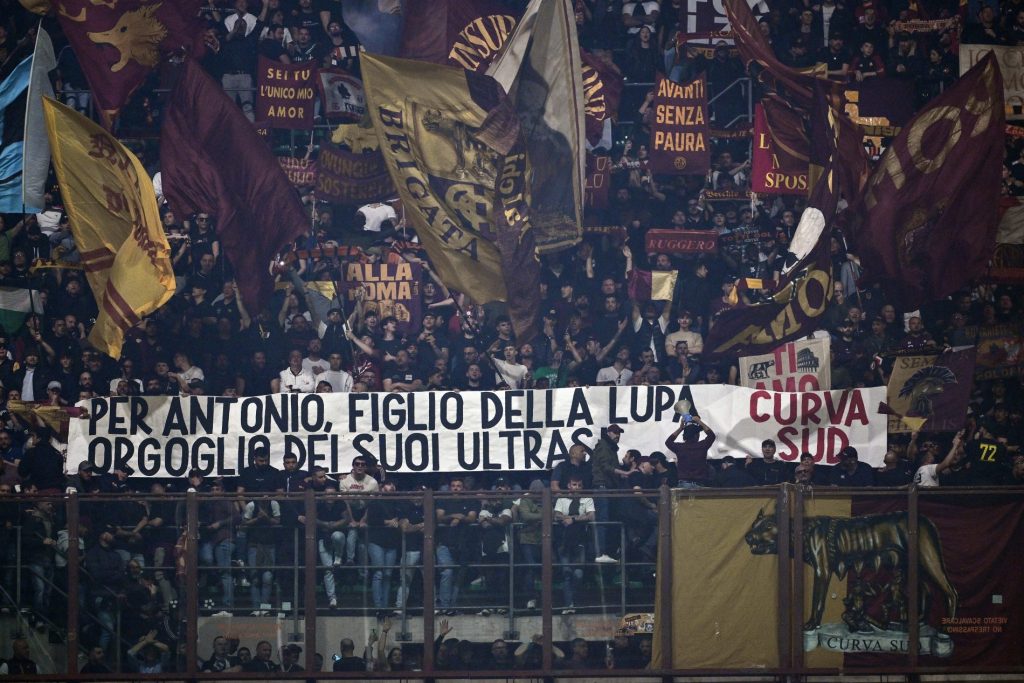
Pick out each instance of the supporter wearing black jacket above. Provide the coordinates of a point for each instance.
(39, 377)
(42, 464)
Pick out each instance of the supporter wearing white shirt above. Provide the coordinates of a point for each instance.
(313, 363)
(186, 372)
(376, 214)
(240, 15)
(509, 370)
(636, 15)
(617, 373)
(336, 377)
(294, 378)
(927, 475)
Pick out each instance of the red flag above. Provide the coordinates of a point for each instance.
(465, 33)
(602, 90)
(213, 160)
(779, 155)
(639, 285)
(931, 207)
(753, 47)
(805, 289)
(119, 43)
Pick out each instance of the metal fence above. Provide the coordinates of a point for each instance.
(300, 577)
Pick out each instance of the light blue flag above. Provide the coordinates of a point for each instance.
(13, 86)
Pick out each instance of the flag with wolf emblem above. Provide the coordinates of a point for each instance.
(453, 146)
(119, 43)
(933, 199)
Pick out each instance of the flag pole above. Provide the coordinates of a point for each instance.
(459, 309)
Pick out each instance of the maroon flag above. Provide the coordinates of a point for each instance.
(931, 208)
(119, 43)
(805, 289)
(465, 33)
(754, 49)
(602, 90)
(970, 555)
(779, 158)
(679, 133)
(599, 179)
(833, 132)
(213, 160)
(930, 391)
(285, 94)
(347, 177)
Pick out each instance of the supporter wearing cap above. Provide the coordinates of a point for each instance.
(835, 56)
(851, 471)
(604, 460)
(904, 62)
(85, 480)
(665, 472)
(732, 475)
(767, 469)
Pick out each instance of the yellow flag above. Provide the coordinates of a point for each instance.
(725, 598)
(663, 284)
(430, 131)
(115, 221)
(37, 6)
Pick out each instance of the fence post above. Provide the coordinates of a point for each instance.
(546, 578)
(796, 608)
(913, 576)
(191, 583)
(309, 577)
(429, 528)
(665, 575)
(785, 572)
(74, 562)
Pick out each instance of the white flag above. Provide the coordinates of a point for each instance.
(36, 151)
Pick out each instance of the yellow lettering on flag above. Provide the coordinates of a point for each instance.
(430, 133)
(115, 221)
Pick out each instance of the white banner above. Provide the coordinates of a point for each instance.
(1011, 66)
(460, 431)
(802, 365)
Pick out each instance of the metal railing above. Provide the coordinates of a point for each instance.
(308, 570)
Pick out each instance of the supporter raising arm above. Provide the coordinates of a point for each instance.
(692, 454)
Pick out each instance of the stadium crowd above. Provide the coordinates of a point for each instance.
(205, 342)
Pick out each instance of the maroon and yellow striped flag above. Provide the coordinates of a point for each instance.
(115, 222)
